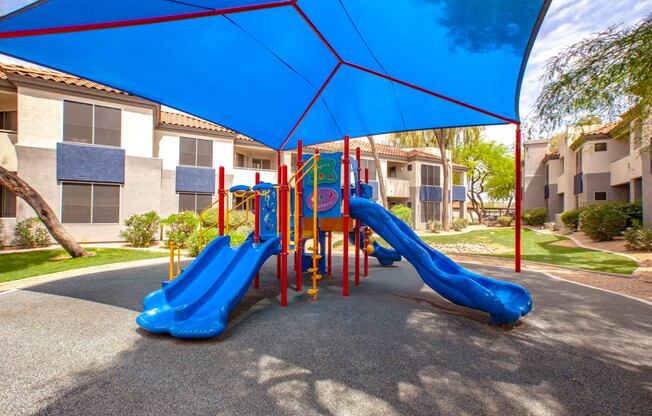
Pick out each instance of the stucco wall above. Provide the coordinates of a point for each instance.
(40, 120)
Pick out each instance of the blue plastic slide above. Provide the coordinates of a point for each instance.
(505, 302)
(385, 256)
(197, 303)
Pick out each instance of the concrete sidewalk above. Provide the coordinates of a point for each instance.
(392, 347)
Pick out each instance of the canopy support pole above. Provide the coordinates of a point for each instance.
(356, 240)
(345, 219)
(518, 197)
(298, 231)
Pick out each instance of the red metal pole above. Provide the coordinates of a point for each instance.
(221, 203)
(284, 236)
(329, 247)
(278, 226)
(366, 233)
(345, 219)
(257, 225)
(356, 240)
(298, 232)
(517, 214)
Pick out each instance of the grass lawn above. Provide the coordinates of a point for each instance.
(17, 266)
(542, 248)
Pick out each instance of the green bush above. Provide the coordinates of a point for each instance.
(459, 224)
(192, 244)
(141, 229)
(603, 222)
(535, 217)
(632, 211)
(638, 238)
(179, 227)
(240, 217)
(210, 217)
(30, 233)
(504, 221)
(434, 226)
(403, 213)
(571, 219)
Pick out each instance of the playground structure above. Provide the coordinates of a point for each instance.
(197, 302)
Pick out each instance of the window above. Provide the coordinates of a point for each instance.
(92, 124)
(241, 160)
(87, 203)
(194, 202)
(430, 211)
(7, 203)
(600, 196)
(457, 178)
(391, 172)
(259, 163)
(195, 152)
(578, 161)
(430, 175)
(600, 147)
(239, 200)
(409, 204)
(409, 168)
(8, 120)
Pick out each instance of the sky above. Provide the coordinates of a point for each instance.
(567, 22)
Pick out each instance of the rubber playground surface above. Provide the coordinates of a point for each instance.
(392, 347)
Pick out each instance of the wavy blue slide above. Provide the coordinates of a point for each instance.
(505, 302)
(197, 303)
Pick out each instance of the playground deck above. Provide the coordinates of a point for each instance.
(393, 347)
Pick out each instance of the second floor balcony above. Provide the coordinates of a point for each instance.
(398, 188)
(246, 176)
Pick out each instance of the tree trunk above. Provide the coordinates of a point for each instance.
(379, 171)
(441, 134)
(21, 188)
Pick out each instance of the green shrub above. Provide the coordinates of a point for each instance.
(179, 227)
(504, 221)
(192, 244)
(571, 219)
(240, 217)
(30, 233)
(141, 229)
(434, 226)
(638, 238)
(632, 211)
(210, 217)
(459, 224)
(403, 213)
(535, 217)
(603, 222)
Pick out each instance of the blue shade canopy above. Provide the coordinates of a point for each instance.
(278, 71)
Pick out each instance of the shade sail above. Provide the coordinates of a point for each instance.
(278, 71)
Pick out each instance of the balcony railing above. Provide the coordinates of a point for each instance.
(243, 176)
(398, 188)
(619, 171)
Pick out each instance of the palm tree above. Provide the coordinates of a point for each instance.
(379, 172)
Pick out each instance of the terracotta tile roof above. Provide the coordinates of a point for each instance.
(550, 156)
(184, 120)
(51, 75)
(365, 147)
(382, 149)
(602, 129)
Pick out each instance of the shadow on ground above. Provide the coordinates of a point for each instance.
(392, 347)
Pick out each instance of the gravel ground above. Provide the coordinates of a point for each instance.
(393, 347)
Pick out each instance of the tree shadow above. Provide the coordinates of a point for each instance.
(392, 347)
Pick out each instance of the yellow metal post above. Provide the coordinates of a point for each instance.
(171, 271)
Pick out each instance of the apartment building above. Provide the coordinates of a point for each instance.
(413, 177)
(98, 155)
(591, 164)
